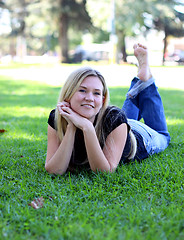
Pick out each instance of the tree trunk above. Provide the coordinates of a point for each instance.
(123, 48)
(63, 37)
(165, 47)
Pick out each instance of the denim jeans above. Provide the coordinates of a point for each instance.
(143, 101)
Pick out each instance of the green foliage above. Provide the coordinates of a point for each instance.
(40, 22)
(138, 201)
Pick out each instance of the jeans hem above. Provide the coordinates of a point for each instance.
(138, 87)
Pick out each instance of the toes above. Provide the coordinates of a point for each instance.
(138, 45)
(142, 46)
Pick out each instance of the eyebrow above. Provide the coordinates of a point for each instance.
(96, 89)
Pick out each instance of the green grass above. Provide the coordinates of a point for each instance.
(139, 201)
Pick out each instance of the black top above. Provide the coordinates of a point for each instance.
(113, 118)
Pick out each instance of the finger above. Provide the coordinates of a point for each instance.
(64, 114)
(66, 109)
(60, 105)
(60, 109)
(63, 104)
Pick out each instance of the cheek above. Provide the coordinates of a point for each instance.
(73, 104)
(74, 100)
(100, 102)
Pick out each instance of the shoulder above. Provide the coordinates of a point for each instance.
(114, 114)
(113, 117)
(51, 119)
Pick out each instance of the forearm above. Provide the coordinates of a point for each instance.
(60, 160)
(96, 157)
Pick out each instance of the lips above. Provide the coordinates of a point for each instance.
(87, 105)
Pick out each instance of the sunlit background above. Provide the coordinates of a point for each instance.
(91, 30)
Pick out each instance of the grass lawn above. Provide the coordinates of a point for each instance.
(139, 201)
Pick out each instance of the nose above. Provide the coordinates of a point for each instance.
(89, 97)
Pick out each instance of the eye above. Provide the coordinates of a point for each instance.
(97, 93)
(82, 90)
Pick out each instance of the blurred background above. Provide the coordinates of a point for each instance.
(72, 31)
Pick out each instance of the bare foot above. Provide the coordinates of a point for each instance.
(141, 53)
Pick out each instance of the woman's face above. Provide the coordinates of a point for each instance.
(88, 99)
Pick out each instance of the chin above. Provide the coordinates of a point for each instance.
(89, 117)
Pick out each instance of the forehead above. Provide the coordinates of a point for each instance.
(92, 82)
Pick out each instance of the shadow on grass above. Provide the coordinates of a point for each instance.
(27, 94)
(30, 94)
(136, 195)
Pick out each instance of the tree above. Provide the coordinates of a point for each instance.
(2, 4)
(131, 20)
(100, 13)
(169, 21)
(128, 17)
(44, 21)
(162, 12)
(18, 10)
(72, 13)
(67, 15)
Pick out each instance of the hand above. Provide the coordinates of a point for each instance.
(71, 116)
(62, 104)
(60, 107)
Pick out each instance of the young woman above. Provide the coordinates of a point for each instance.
(84, 132)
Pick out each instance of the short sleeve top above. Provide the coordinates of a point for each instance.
(113, 117)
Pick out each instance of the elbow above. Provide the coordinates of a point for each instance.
(48, 169)
(53, 171)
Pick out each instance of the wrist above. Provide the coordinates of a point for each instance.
(87, 126)
(71, 127)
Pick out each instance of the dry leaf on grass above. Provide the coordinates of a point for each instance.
(2, 130)
(37, 203)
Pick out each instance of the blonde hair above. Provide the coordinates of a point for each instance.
(71, 85)
(133, 149)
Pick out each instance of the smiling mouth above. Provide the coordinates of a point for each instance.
(87, 105)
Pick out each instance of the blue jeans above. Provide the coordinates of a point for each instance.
(143, 101)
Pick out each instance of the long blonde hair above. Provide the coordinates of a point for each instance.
(71, 85)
